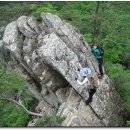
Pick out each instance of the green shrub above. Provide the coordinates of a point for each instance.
(47, 7)
(12, 116)
(50, 121)
(128, 123)
(10, 85)
(10, 11)
(121, 78)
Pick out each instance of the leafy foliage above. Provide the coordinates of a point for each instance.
(121, 79)
(50, 121)
(10, 85)
(128, 123)
(10, 11)
(47, 7)
(12, 116)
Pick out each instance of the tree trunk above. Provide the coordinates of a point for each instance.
(102, 21)
(95, 21)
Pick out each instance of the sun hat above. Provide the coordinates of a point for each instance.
(85, 71)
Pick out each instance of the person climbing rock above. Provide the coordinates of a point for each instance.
(84, 72)
(86, 82)
(98, 53)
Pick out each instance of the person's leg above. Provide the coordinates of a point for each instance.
(100, 61)
(91, 93)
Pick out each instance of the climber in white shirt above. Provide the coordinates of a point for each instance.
(84, 82)
(86, 72)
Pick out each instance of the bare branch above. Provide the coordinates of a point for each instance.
(22, 106)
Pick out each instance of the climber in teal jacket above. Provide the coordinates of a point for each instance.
(98, 53)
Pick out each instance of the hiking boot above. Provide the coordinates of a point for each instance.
(88, 101)
(100, 76)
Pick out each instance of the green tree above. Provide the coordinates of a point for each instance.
(10, 85)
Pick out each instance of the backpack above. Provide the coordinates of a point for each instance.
(101, 51)
(94, 80)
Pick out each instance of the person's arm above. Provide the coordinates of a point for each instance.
(92, 50)
(83, 82)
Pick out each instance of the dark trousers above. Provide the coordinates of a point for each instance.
(100, 63)
(91, 93)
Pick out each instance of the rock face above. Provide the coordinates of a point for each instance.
(49, 55)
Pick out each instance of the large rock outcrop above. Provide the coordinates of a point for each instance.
(49, 55)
